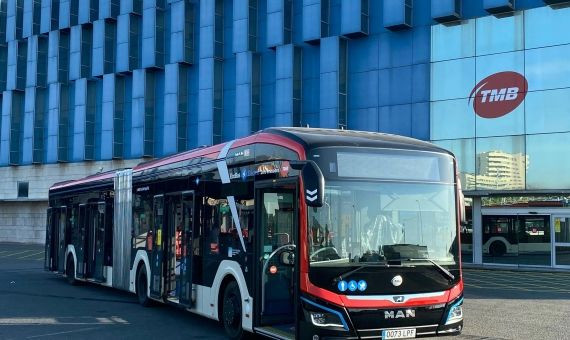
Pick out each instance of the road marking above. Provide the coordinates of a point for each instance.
(472, 285)
(59, 333)
(28, 321)
(23, 257)
(80, 320)
(25, 251)
(528, 282)
(118, 319)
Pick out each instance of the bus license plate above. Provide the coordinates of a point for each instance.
(402, 333)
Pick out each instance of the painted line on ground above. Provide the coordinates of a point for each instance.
(60, 333)
(531, 281)
(18, 253)
(23, 257)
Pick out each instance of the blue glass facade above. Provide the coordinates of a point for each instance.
(109, 82)
(157, 77)
(499, 89)
(531, 43)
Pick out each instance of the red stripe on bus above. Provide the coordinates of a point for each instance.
(209, 152)
(343, 301)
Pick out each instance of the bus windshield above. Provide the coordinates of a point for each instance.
(383, 221)
(400, 213)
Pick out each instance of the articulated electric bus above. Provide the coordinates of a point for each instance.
(290, 233)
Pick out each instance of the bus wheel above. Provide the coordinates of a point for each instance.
(70, 271)
(497, 248)
(231, 311)
(142, 292)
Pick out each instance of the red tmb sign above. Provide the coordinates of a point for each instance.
(498, 94)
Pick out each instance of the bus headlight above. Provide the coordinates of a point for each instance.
(322, 316)
(324, 319)
(455, 313)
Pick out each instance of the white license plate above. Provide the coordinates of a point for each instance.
(401, 333)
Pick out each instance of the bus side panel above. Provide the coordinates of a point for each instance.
(122, 225)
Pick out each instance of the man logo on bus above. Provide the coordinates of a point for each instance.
(498, 94)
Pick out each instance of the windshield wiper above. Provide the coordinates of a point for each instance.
(354, 270)
(444, 271)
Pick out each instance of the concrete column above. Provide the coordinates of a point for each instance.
(477, 231)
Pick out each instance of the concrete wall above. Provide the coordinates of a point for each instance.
(23, 219)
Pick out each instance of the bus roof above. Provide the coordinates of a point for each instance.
(316, 137)
(309, 138)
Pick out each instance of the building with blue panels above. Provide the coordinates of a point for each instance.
(94, 85)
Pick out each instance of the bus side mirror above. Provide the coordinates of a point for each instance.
(313, 181)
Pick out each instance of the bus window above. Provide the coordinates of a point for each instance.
(142, 217)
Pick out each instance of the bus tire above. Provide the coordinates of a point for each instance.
(497, 248)
(141, 287)
(70, 270)
(230, 317)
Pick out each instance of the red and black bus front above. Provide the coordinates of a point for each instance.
(381, 255)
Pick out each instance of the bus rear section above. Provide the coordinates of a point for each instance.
(79, 231)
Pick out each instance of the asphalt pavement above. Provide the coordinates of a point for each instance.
(35, 304)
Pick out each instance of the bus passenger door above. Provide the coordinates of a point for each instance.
(186, 239)
(81, 251)
(90, 225)
(99, 230)
(61, 237)
(95, 241)
(51, 241)
(156, 260)
(172, 243)
(276, 217)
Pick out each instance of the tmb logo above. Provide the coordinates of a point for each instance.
(498, 94)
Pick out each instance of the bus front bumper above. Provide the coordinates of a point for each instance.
(321, 320)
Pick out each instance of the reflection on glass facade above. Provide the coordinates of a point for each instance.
(510, 38)
(517, 239)
(562, 240)
(547, 111)
(467, 234)
(466, 165)
(524, 145)
(500, 163)
(527, 201)
(547, 68)
(549, 164)
(453, 41)
(544, 26)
